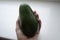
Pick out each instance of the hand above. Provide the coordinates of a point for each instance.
(21, 36)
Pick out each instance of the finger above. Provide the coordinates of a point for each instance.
(34, 12)
(39, 26)
(36, 15)
(17, 24)
(39, 23)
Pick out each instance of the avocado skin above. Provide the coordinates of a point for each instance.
(29, 24)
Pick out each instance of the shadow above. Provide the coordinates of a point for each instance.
(3, 38)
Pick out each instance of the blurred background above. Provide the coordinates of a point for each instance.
(48, 11)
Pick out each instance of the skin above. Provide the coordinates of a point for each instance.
(21, 36)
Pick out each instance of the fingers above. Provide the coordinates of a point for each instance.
(39, 22)
(37, 17)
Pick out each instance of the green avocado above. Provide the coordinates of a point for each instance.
(29, 24)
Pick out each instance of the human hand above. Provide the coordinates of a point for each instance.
(21, 36)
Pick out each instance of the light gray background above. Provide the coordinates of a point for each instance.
(49, 13)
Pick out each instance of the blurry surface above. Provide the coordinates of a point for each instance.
(34, 0)
(49, 13)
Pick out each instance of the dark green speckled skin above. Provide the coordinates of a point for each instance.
(29, 24)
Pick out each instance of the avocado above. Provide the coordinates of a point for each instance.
(29, 24)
